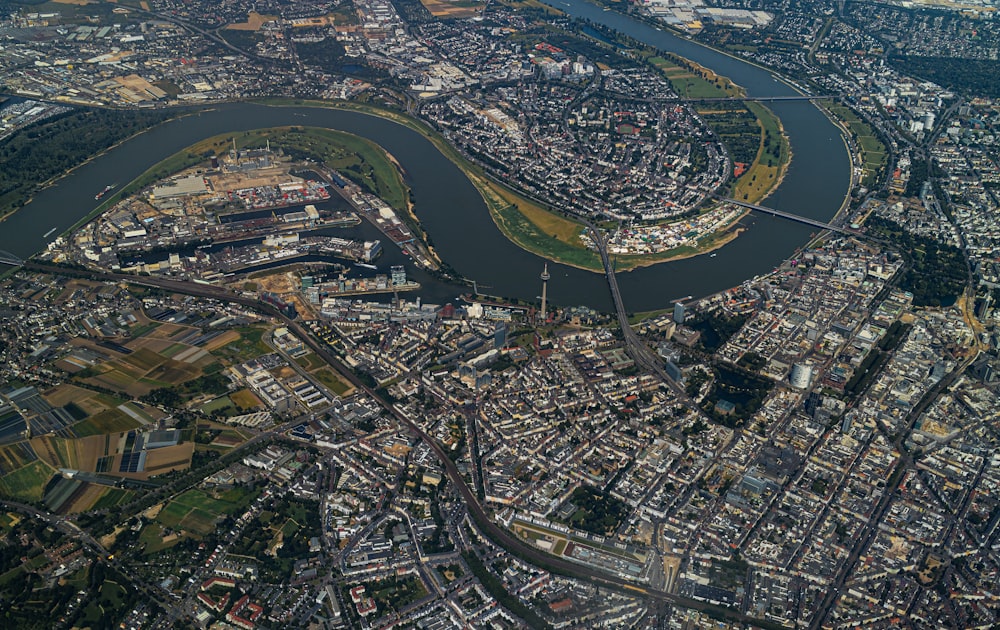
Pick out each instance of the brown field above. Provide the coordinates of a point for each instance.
(158, 346)
(244, 399)
(285, 372)
(67, 366)
(88, 451)
(162, 460)
(83, 500)
(174, 373)
(76, 2)
(254, 22)
(228, 441)
(282, 282)
(165, 331)
(451, 10)
(144, 360)
(224, 339)
(61, 395)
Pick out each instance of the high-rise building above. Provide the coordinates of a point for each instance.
(679, 312)
(500, 335)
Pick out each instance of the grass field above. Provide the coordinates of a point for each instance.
(695, 81)
(247, 346)
(27, 483)
(152, 539)
(197, 512)
(334, 382)
(772, 159)
(219, 403)
(873, 151)
(516, 217)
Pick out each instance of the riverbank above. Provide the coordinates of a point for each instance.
(539, 230)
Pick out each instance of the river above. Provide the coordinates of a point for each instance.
(454, 214)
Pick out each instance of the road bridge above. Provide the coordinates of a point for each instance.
(755, 99)
(788, 215)
(7, 258)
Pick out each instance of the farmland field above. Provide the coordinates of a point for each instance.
(112, 497)
(108, 421)
(15, 456)
(64, 394)
(58, 452)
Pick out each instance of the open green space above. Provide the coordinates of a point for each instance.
(874, 156)
(27, 483)
(597, 512)
(219, 404)
(248, 346)
(333, 381)
(47, 150)
(197, 512)
(151, 539)
(395, 592)
(935, 272)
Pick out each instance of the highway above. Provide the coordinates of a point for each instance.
(494, 532)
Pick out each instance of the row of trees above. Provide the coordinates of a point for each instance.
(52, 147)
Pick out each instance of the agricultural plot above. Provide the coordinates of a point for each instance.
(63, 395)
(163, 460)
(111, 497)
(57, 452)
(108, 421)
(89, 451)
(15, 456)
(224, 339)
(27, 483)
(142, 371)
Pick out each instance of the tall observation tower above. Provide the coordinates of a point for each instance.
(545, 285)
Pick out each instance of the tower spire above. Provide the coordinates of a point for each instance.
(545, 284)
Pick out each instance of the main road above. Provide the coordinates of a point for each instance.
(494, 532)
